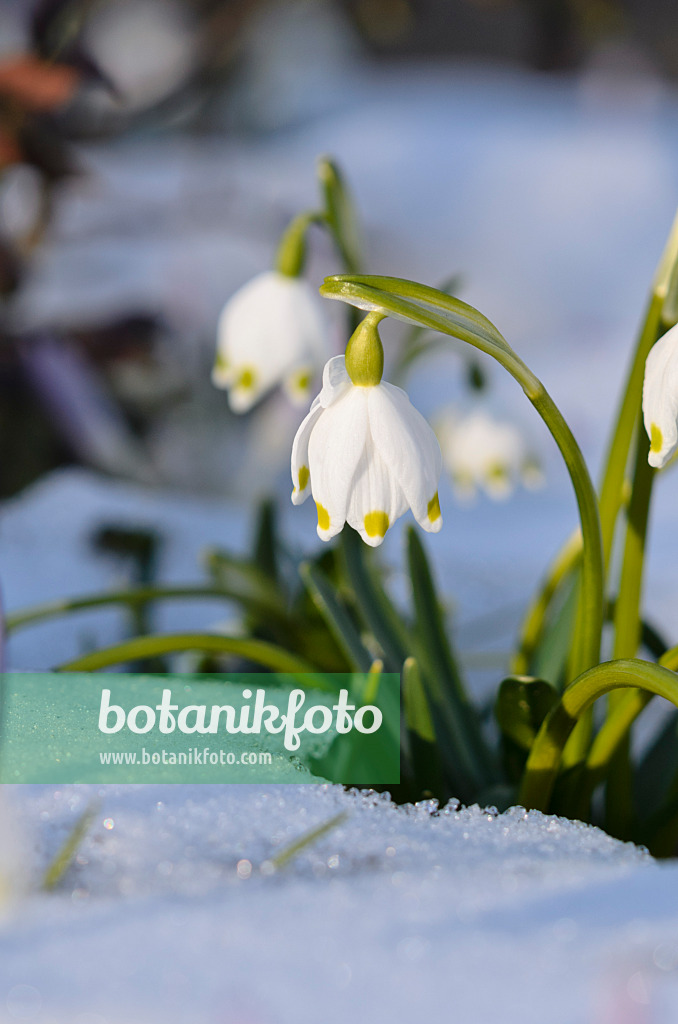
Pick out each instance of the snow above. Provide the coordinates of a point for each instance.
(554, 203)
(398, 913)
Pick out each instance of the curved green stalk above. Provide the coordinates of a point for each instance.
(340, 214)
(534, 623)
(627, 619)
(418, 304)
(258, 651)
(545, 757)
(132, 597)
(290, 258)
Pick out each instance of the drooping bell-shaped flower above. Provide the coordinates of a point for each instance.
(271, 332)
(660, 399)
(363, 451)
(483, 453)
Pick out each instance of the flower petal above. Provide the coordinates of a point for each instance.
(660, 399)
(410, 450)
(336, 381)
(301, 474)
(377, 499)
(335, 447)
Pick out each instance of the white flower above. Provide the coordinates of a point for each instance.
(366, 455)
(660, 399)
(480, 452)
(271, 331)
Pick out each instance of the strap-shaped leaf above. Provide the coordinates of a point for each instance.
(416, 709)
(430, 627)
(254, 588)
(452, 708)
(375, 607)
(257, 651)
(336, 616)
(265, 547)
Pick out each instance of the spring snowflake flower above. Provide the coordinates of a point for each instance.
(660, 399)
(366, 455)
(482, 453)
(270, 332)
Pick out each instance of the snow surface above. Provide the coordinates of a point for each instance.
(553, 198)
(398, 914)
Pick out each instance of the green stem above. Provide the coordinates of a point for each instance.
(418, 304)
(586, 650)
(627, 619)
(291, 255)
(258, 651)
(612, 485)
(340, 215)
(545, 757)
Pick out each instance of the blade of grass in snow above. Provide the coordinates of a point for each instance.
(289, 852)
(64, 858)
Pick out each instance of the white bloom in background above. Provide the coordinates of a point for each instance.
(660, 399)
(366, 455)
(270, 332)
(481, 453)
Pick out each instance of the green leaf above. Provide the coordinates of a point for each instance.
(265, 553)
(657, 766)
(416, 709)
(388, 627)
(436, 651)
(422, 774)
(359, 759)
(336, 616)
(549, 658)
(457, 722)
(253, 588)
(257, 651)
(522, 705)
(133, 597)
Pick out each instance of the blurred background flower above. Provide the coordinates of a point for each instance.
(483, 453)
